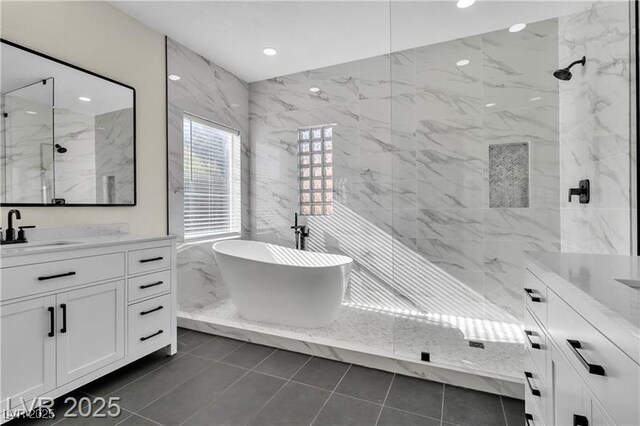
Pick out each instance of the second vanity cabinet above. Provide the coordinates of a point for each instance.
(574, 374)
(70, 316)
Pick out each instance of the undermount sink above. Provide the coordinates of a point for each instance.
(38, 244)
(50, 243)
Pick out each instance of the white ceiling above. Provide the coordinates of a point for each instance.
(313, 34)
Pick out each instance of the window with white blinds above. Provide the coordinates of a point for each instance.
(211, 179)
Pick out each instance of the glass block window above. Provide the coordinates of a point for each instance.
(315, 152)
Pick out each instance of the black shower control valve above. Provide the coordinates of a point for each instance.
(583, 191)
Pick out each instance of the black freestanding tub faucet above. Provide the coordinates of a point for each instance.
(302, 233)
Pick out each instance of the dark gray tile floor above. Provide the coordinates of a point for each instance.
(215, 381)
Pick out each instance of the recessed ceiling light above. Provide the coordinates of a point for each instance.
(31, 112)
(462, 62)
(269, 51)
(537, 98)
(489, 105)
(463, 4)
(84, 99)
(517, 27)
(314, 89)
(174, 77)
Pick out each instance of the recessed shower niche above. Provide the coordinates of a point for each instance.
(509, 175)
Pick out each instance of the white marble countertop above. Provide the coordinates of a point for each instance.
(589, 283)
(61, 239)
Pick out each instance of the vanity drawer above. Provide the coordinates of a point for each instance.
(150, 324)
(51, 276)
(535, 385)
(535, 341)
(531, 411)
(149, 285)
(535, 297)
(604, 368)
(148, 260)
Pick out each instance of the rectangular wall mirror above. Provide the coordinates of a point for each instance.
(67, 134)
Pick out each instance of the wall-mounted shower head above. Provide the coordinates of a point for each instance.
(60, 148)
(565, 73)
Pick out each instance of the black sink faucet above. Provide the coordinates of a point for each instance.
(11, 232)
(11, 237)
(302, 232)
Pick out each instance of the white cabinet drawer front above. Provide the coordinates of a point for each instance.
(610, 374)
(535, 385)
(149, 285)
(148, 260)
(532, 415)
(535, 297)
(52, 276)
(150, 324)
(535, 341)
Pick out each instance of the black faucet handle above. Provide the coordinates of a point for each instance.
(21, 234)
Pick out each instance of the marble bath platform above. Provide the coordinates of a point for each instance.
(381, 340)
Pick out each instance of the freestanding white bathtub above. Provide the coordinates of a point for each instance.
(280, 285)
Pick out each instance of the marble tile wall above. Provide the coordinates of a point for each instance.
(209, 91)
(594, 129)
(411, 171)
(75, 170)
(114, 155)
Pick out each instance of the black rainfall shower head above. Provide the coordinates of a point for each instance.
(565, 73)
(60, 148)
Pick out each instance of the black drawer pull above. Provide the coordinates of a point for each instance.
(152, 259)
(142, 287)
(529, 334)
(528, 418)
(142, 339)
(151, 310)
(533, 298)
(533, 390)
(52, 331)
(579, 420)
(63, 306)
(50, 277)
(595, 369)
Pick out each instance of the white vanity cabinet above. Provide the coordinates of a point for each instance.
(576, 374)
(69, 316)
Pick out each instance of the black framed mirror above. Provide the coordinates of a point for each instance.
(68, 135)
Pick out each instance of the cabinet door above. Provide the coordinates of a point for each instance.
(90, 329)
(28, 345)
(568, 393)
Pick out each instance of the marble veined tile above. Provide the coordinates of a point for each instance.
(508, 256)
(503, 51)
(376, 167)
(462, 132)
(453, 254)
(610, 231)
(529, 225)
(451, 224)
(450, 163)
(449, 193)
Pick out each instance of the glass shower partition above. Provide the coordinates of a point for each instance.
(485, 145)
(27, 144)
